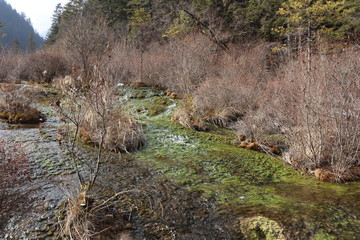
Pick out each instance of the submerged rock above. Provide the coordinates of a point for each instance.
(260, 227)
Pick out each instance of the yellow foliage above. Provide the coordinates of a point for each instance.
(180, 28)
(139, 18)
(302, 14)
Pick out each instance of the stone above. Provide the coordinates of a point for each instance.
(260, 227)
(126, 235)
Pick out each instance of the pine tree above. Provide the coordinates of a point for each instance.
(15, 46)
(114, 10)
(31, 44)
(308, 22)
(55, 25)
(73, 9)
(350, 26)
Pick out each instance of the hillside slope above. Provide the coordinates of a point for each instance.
(17, 27)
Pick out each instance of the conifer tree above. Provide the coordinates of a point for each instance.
(31, 44)
(15, 46)
(55, 25)
(308, 22)
(114, 10)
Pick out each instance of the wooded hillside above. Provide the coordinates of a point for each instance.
(17, 30)
(226, 21)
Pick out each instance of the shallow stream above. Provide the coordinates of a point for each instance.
(187, 184)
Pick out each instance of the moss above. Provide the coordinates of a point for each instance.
(158, 106)
(260, 227)
(149, 107)
(323, 236)
(241, 181)
(139, 94)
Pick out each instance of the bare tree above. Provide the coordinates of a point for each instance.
(85, 40)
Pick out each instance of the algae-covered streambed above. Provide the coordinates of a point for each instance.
(185, 184)
(251, 188)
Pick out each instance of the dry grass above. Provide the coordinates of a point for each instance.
(122, 133)
(187, 116)
(96, 219)
(77, 224)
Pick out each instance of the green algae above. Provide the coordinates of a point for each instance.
(279, 200)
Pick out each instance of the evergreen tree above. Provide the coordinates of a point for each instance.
(31, 44)
(350, 26)
(55, 25)
(73, 9)
(114, 10)
(309, 22)
(15, 46)
(306, 20)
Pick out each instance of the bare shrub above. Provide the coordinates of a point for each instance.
(156, 62)
(45, 65)
(12, 66)
(5, 63)
(125, 62)
(181, 65)
(96, 114)
(189, 64)
(85, 40)
(319, 113)
(237, 89)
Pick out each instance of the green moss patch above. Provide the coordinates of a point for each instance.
(241, 181)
